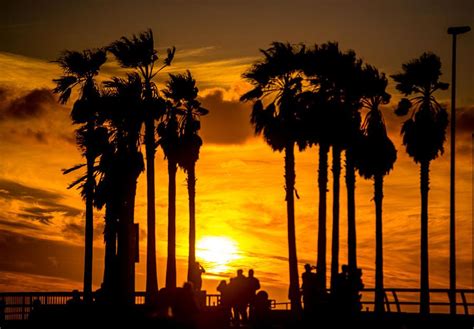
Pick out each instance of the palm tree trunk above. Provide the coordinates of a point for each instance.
(110, 237)
(378, 198)
(132, 239)
(351, 221)
(336, 173)
(322, 183)
(294, 290)
(89, 229)
(126, 248)
(192, 220)
(151, 274)
(424, 274)
(171, 261)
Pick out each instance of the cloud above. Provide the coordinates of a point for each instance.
(30, 255)
(32, 115)
(227, 121)
(35, 103)
(75, 229)
(44, 219)
(36, 204)
(465, 120)
(17, 225)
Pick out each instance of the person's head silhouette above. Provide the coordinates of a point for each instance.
(307, 267)
(240, 272)
(345, 269)
(251, 273)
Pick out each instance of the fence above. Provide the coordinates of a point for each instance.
(407, 300)
(18, 305)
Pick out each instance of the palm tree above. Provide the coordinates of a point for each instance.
(331, 74)
(352, 94)
(168, 131)
(121, 165)
(139, 53)
(424, 134)
(377, 156)
(183, 92)
(80, 70)
(278, 78)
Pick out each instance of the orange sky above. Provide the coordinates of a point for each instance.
(240, 181)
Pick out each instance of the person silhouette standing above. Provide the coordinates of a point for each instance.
(225, 300)
(342, 292)
(196, 277)
(238, 286)
(309, 289)
(253, 284)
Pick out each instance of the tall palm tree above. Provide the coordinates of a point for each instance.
(139, 53)
(331, 73)
(278, 78)
(121, 165)
(168, 132)
(80, 70)
(183, 91)
(352, 103)
(424, 134)
(377, 156)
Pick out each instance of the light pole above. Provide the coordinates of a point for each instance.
(454, 31)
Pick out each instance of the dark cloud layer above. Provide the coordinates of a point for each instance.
(33, 104)
(228, 122)
(40, 203)
(75, 230)
(27, 254)
(465, 120)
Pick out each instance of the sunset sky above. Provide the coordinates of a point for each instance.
(240, 195)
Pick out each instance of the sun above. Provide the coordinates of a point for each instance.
(216, 253)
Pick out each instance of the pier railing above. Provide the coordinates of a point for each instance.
(18, 305)
(407, 300)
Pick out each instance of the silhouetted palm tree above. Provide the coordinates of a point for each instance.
(168, 131)
(80, 69)
(121, 165)
(183, 92)
(424, 134)
(139, 53)
(332, 75)
(278, 78)
(351, 105)
(376, 159)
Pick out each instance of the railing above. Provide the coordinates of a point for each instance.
(18, 305)
(407, 300)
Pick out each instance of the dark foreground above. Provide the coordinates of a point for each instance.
(212, 318)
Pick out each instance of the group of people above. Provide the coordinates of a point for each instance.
(241, 293)
(345, 297)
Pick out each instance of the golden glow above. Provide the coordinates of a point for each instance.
(216, 253)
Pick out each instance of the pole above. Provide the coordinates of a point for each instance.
(454, 31)
(452, 212)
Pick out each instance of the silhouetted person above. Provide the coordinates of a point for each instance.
(309, 288)
(225, 303)
(35, 310)
(185, 307)
(100, 295)
(253, 284)
(261, 313)
(342, 292)
(75, 299)
(237, 288)
(355, 286)
(196, 276)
